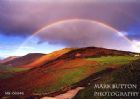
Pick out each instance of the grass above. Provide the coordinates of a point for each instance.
(120, 60)
(4, 76)
(112, 61)
(67, 77)
(129, 73)
(69, 72)
(10, 71)
(16, 69)
(80, 69)
(11, 68)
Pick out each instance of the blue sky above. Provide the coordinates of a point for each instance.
(20, 19)
(9, 46)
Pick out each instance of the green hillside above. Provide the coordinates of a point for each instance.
(128, 74)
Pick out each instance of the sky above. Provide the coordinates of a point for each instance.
(20, 19)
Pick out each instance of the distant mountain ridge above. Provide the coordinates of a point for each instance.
(8, 59)
(37, 59)
(48, 57)
(32, 60)
(23, 60)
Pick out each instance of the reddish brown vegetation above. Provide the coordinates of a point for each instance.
(46, 74)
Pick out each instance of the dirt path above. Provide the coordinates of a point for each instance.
(68, 95)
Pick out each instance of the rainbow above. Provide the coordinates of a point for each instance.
(73, 20)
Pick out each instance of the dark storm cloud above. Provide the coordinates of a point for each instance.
(25, 17)
(83, 33)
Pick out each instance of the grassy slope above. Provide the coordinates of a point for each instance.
(9, 71)
(23, 60)
(129, 73)
(47, 58)
(64, 73)
(82, 68)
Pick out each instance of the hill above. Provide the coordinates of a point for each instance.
(23, 60)
(46, 58)
(65, 70)
(27, 62)
(11, 65)
(128, 74)
(8, 59)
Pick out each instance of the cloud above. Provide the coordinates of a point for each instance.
(84, 33)
(136, 45)
(23, 18)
